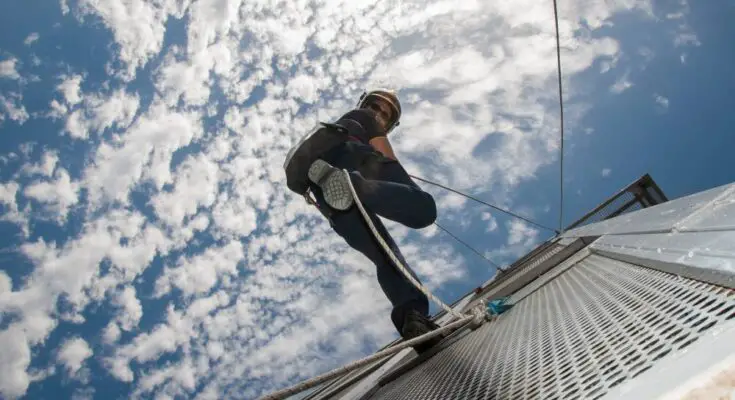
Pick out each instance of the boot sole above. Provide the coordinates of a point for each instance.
(333, 183)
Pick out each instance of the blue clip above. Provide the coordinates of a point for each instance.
(498, 306)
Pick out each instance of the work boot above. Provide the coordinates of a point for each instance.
(334, 184)
(414, 325)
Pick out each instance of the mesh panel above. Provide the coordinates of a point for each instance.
(596, 325)
(613, 208)
(520, 273)
(532, 286)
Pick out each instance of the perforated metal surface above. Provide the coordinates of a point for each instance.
(594, 326)
(522, 271)
(533, 286)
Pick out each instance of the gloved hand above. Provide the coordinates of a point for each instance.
(362, 123)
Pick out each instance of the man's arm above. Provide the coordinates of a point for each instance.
(382, 145)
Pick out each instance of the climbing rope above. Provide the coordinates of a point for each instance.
(561, 150)
(561, 112)
(479, 314)
(392, 255)
(498, 267)
(485, 203)
(476, 317)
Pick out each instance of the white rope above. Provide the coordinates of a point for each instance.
(476, 317)
(308, 384)
(392, 256)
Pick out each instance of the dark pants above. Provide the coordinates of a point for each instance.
(385, 190)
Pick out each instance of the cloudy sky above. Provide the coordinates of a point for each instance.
(149, 246)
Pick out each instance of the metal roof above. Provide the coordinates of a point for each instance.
(607, 310)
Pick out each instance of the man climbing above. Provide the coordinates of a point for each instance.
(358, 142)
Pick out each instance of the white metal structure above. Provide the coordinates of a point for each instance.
(640, 306)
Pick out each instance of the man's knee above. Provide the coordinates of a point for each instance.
(426, 213)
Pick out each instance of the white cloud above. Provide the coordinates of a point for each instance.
(12, 107)
(521, 233)
(111, 333)
(684, 36)
(6, 284)
(131, 310)
(14, 360)
(70, 87)
(32, 38)
(188, 80)
(59, 110)
(55, 196)
(10, 211)
(137, 26)
(8, 69)
(622, 84)
(73, 353)
(661, 101)
(521, 239)
(99, 113)
(606, 172)
(196, 186)
(303, 88)
(199, 274)
(143, 152)
(46, 167)
(70, 270)
(492, 224)
(164, 338)
(8, 192)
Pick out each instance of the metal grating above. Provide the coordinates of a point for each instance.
(548, 276)
(596, 325)
(522, 270)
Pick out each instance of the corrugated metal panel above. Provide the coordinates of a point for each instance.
(706, 256)
(717, 216)
(596, 325)
(664, 217)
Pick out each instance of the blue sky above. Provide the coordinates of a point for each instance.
(148, 246)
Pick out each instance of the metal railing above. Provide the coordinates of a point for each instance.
(642, 193)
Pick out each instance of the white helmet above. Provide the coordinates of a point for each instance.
(387, 95)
